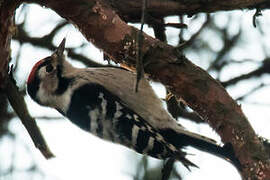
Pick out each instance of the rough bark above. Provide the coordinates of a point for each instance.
(131, 10)
(7, 28)
(103, 27)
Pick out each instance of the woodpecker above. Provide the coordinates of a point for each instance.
(103, 102)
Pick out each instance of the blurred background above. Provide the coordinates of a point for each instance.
(226, 44)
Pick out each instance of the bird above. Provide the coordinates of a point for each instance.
(102, 101)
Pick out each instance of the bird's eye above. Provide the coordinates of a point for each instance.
(49, 68)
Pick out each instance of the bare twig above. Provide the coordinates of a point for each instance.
(18, 104)
(252, 91)
(194, 36)
(150, 20)
(263, 69)
(257, 14)
(46, 42)
(139, 64)
(229, 44)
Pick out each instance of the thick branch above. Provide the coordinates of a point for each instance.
(131, 10)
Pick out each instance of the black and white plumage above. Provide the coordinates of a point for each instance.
(103, 102)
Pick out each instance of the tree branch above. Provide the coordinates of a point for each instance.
(131, 10)
(18, 104)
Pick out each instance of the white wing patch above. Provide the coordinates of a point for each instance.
(134, 135)
(118, 112)
(136, 118)
(94, 114)
(103, 104)
(129, 116)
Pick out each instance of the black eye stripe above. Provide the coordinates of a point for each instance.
(47, 61)
(49, 68)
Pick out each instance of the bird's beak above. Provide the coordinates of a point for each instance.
(60, 51)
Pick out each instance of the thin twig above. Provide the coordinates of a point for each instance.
(257, 14)
(260, 86)
(263, 69)
(45, 42)
(229, 44)
(150, 20)
(194, 36)
(139, 64)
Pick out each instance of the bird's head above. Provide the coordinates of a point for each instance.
(43, 80)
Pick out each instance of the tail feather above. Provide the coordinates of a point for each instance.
(181, 140)
(187, 163)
